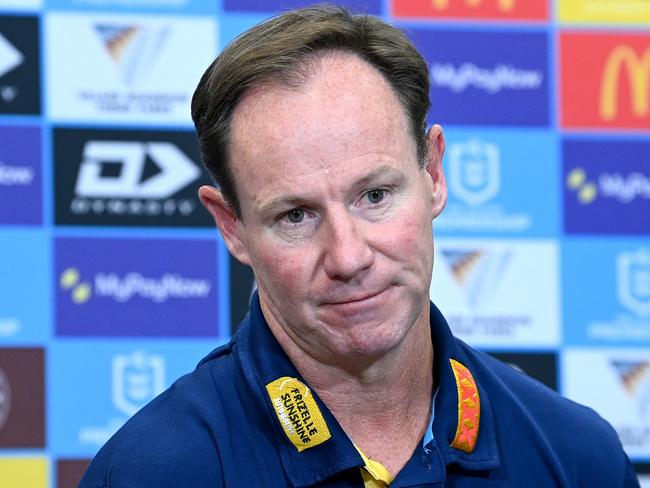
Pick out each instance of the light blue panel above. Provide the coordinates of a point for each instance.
(606, 291)
(154, 6)
(231, 25)
(25, 302)
(95, 386)
(501, 183)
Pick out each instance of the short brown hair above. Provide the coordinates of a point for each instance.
(278, 50)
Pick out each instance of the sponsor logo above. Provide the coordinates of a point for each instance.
(605, 179)
(634, 281)
(122, 289)
(10, 57)
(136, 379)
(132, 68)
(298, 414)
(478, 272)
(620, 392)
(133, 48)
(15, 175)
(618, 186)
(491, 191)
(490, 80)
(5, 398)
(630, 277)
(176, 171)
(136, 287)
(611, 86)
(119, 181)
(474, 171)
(635, 379)
(585, 190)
(80, 292)
(472, 84)
(638, 72)
(487, 9)
(479, 286)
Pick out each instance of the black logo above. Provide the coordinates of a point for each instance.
(20, 85)
(128, 178)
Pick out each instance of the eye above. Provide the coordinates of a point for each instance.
(375, 196)
(296, 215)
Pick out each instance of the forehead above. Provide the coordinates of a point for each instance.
(344, 110)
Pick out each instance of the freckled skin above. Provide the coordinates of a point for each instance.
(312, 145)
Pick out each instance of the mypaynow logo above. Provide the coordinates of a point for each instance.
(608, 83)
(490, 80)
(607, 186)
(123, 288)
(479, 9)
(484, 77)
(136, 287)
(623, 188)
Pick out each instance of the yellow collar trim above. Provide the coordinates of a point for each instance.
(469, 408)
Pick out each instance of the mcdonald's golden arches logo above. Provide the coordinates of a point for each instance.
(637, 67)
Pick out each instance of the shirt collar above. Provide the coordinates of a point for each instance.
(484, 454)
(263, 361)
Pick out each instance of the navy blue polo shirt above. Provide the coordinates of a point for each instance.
(218, 426)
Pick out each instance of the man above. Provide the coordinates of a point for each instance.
(343, 374)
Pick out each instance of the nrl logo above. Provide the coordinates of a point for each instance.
(634, 281)
(137, 379)
(474, 171)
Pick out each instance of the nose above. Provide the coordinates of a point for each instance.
(346, 248)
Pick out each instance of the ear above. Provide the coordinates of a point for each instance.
(436, 149)
(229, 225)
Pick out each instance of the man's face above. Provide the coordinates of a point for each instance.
(335, 210)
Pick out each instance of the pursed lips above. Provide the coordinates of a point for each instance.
(356, 298)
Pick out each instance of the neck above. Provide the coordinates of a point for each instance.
(382, 402)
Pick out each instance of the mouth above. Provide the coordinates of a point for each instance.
(354, 299)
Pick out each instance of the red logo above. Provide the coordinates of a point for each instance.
(472, 9)
(605, 80)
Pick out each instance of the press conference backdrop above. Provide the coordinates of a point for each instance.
(113, 281)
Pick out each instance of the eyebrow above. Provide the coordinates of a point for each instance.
(296, 200)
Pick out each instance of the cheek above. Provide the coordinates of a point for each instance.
(279, 270)
(411, 235)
